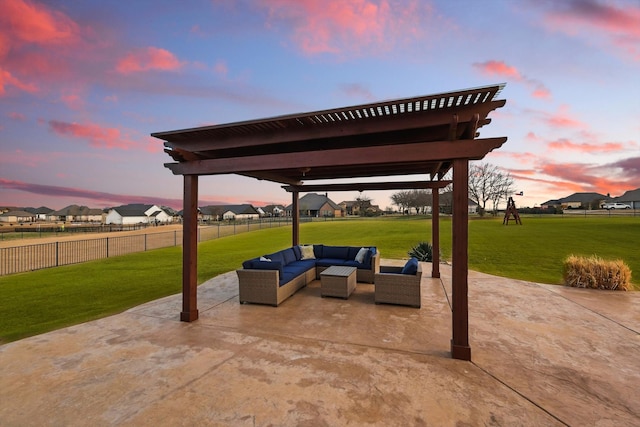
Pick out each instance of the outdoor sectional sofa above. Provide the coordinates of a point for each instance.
(272, 278)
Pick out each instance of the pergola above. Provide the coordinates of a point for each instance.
(425, 135)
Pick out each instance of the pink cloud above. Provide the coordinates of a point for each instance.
(221, 68)
(97, 135)
(337, 26)
(17, 116)
(30, 22)
(76, 195)
(617, 24)
(73, 101)
(562, 119)
(565, 144)
(31, 159)
(356, 90)
(7, 79)
(151, 58)
(509, 72)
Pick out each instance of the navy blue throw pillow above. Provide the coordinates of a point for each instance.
(411, 267)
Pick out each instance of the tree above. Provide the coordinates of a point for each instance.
(402, 199)
(362, 203)
(488, 183)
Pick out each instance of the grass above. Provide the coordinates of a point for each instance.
(45, 300)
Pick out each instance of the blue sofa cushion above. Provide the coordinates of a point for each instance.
(289, 255)
(277, 257)
(318, 250)
(352, 252)
(247, 263)
(368, 256)
(296, 250)
(353, 263)
(267, 265)
(336, 252)
(411, 267)
(328, 262)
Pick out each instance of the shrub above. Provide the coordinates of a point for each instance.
(595, 273)
(423, 251)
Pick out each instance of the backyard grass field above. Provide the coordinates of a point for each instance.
(44, 300)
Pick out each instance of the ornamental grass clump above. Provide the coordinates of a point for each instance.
(423, 251)
(595, 273)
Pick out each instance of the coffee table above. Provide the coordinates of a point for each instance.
(338, 281)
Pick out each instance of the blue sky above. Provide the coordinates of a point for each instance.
(83, 84)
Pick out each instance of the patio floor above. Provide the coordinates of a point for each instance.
(541, 355)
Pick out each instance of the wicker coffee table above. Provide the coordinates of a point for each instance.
(338, 281)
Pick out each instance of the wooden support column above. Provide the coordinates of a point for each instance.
(435, 232)
(460, 258)
(190, 250)
(295, 215)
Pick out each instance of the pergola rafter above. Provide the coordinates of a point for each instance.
(426, 135)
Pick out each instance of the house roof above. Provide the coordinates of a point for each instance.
(244, 209)
(576, 197)
(40, 210)
(133, 209)
(630, 196)
(347, 142)
(18, 213)
(313, 202)
(75, 210)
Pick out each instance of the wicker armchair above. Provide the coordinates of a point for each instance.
(392, 287)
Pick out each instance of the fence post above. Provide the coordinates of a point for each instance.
(57, 254)
(107, 243)
(145, 242)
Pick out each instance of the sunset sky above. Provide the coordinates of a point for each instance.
(84, 83)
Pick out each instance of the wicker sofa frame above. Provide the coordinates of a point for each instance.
(393, 287)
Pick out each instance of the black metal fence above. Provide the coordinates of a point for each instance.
(19, 259)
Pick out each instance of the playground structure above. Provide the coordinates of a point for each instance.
(511, 211)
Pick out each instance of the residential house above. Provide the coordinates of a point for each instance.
(17, 216)
(359, 207)
(42, 213)
(228, 212)
(137, 213)
(316, 205)
(273, 210)
(631, 198)
(75, 213)
(577, 201)
(446, 203)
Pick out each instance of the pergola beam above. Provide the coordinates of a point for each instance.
(376, 155)
(368, 186)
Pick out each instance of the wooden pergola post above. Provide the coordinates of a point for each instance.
(295, 218)
(435, 232)
(460, 318)
(190, 250)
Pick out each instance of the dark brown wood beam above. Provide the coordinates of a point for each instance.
(190, 250)
(379, 155)
(295, 216)
(435, 233)
(367, 186)
(201, 141)
(460, 348)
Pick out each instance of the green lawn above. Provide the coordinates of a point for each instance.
(40, 301)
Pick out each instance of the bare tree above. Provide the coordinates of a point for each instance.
(402, 199)
(488, 182)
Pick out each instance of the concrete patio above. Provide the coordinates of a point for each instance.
(541, 355)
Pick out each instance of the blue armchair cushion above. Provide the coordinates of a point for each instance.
(411, 267)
